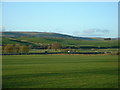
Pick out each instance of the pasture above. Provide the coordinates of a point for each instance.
(65, 42)
(60, 71)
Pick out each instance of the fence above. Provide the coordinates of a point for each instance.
(55, 53)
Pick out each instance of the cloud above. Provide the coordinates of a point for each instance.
(92, 33)
(95, 31)
(2, 28)
(76, 33)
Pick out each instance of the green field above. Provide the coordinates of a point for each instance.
(60, 71)
(73, 50)
(65, 42)
(71, 42)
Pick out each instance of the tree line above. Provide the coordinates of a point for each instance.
(59, 46)
(15, 48)
(47, 46)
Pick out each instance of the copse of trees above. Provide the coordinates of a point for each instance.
(17, 48)
(55, 46)
(24, 49)
(9, 48)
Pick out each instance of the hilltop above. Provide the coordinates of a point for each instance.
(45, 38)
(42, 34)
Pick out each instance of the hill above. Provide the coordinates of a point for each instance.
(42, 34)
(43, 38)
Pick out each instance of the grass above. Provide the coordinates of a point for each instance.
(64, 42)
(60, 71)
(73, 50)
(72, 42)
(6, 40)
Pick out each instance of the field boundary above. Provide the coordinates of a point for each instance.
(74, 53)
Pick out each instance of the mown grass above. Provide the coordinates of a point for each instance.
(60, 71)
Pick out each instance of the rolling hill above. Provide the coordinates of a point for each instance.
(42, 34)
(44, 38)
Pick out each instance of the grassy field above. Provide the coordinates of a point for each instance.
(60, 71)
(71, 42)
(73, 50)
(64, 42)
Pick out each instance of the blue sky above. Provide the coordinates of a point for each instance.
(84, 19)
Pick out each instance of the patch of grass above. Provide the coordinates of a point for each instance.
(6, 40)
(73, 50)
(60, 71)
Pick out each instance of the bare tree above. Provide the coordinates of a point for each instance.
(17, 48)
(56, 46)
(24, 49)
(9, 48)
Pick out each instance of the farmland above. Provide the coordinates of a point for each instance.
(46, 42)
(59, 45)
(63, 41)
(60, 71)
(71, 69)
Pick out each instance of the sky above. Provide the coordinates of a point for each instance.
(83, 19)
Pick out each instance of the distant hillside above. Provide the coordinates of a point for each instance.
(43, 38)
(7, 40)
(42, 34)
(37, 41)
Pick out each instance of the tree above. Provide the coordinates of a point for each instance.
(107, 38)
(3, 49)
(24, 49)
(49, 46)
(17, 48)
(56, 46)
(9, 48)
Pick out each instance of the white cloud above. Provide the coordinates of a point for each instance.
(92, 33)
(95, 30)
(2, 28)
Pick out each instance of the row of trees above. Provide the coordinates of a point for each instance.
(60, 46)
(48, 46)
(55, 46)
(15, 48)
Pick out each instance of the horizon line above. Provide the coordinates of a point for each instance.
(59, 33)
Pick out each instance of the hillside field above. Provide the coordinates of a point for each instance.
(60, 71)
(65, 42)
